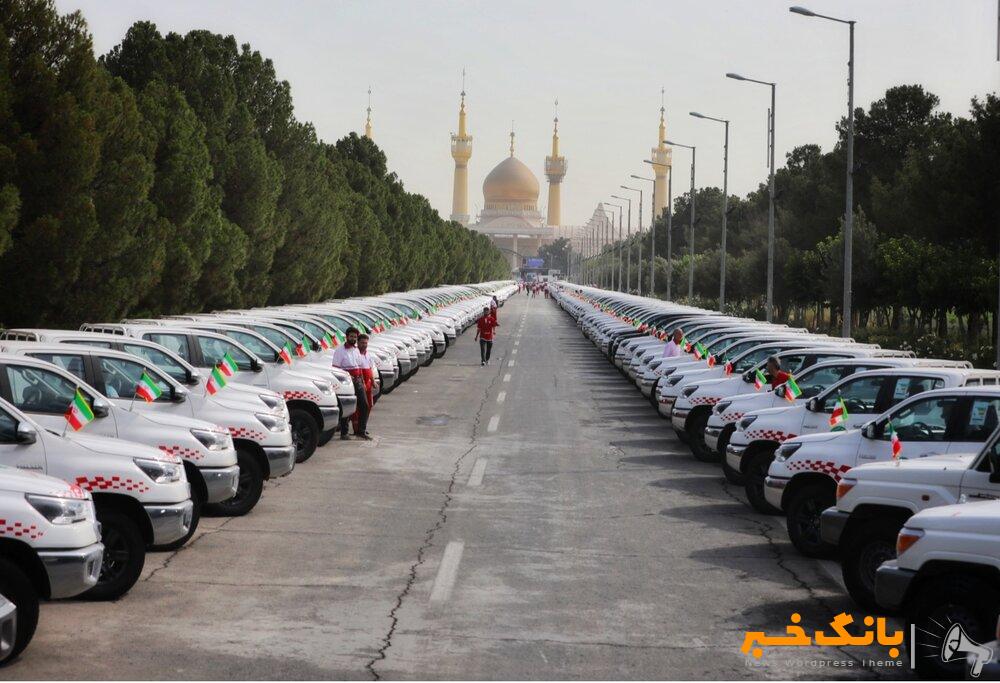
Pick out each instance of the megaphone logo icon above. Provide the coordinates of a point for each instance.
(957, 643)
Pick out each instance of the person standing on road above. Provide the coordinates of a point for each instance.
(368, 375)
(673, 347)
(347, 357)
(484, 333)
(775, 375)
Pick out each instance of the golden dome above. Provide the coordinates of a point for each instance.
(511, 182)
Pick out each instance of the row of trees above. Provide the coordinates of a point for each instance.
(171, 175)
(927, 225)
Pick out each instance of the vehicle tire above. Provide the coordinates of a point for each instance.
(696, 437)
(753, 481)
(868, 546)
(197, 509)
(946, 600)
(17, 588)
(732, 476)
(305, 433)
(124, 555)
(248, 490)
(803, 512)
(325, 437)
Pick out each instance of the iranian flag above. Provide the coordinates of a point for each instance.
(303, 347)
(686, 344)
(839, 415)
(148, 389)
(729, 367)
(792, 390)
(228, 365)
(699, 351)
(79, 413)
(897, 445)
(337, 339)
(711, 360)
(216, 381)
(324, 341)
(286, 354)
(759, 379)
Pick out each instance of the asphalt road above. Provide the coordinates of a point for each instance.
(530, 519)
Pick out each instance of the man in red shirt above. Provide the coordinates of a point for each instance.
(775, 375)
(484, 333)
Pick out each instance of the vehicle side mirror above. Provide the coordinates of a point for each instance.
(255, 365)
(101, 407)
(179, 394)
(813, 405)
(193, 377)
(869, 430)
(26, 433)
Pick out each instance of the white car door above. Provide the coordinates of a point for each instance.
(976, 482)
(861, 396)
(924, 427)
(14, 452)
(45, 395)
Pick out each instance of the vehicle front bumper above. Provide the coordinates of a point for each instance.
(646, 385)
(280, 459)
(712, 435)
(678, 418)
(348, 404)
(330, 416)
(832, 523)
(220, 482)
(774, 489)
(734, 456)
(170, 522)
(892, 582)
(665, 405)
(72, 572)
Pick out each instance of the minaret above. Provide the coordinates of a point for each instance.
(661, 165)
(368, 121)
(555, 169)
(461, 152)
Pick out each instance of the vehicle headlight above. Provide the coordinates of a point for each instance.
(213, 441)
(273, 423)
(62, 510)
(687, 391)
(721, 406)
(747, 421)
(324, 387)
(272, 402)
(160, 471)
(675, 380)
(786, 450)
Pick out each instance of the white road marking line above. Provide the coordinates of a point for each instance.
(501, 397)
(506, 378)
(513, 351)
(517, 341)
(494, 423)
(447, 571)
(478, 470)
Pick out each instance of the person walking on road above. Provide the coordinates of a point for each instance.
(368, 375)
(348, 357)
(485, 326)
(673, 347)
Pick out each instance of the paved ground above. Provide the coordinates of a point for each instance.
(531, 519)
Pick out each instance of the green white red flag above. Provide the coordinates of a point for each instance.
(286, 354)
(792, 390)
(897, 445)
(147, 389)
(839, 415)
(79, 413)
(216, 381)
(228, 365)
(759, 379)
(729, 367)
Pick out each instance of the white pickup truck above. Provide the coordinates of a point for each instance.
(806, 470)
(43, 383)
(49, 548)
(141, 494)
(875, 500)
(946, 573)
(759, 433)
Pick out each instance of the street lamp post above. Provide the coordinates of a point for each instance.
(670, 220)
(849, 192)
(770, 202)
(725, 208)
(694, 153)
(626, 245)
(608, 277)
(618, 242)
(652, 235)
(638, 288)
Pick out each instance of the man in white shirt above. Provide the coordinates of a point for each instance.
(673, 347)
(347, 357)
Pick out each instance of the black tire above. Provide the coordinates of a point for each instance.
(17, 588)
(942, 602)
(251, 485)
(696, 437)
(196, 511)
(753, 480)
(803, 512)
(124, 555)
(305, 433)
(732, 476)
(870, 544)
(326, 436)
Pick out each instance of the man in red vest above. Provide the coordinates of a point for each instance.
(485, 326)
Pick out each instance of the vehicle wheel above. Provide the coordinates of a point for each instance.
(871, 544)
(305, 433)
(753, 481)
(196, 511)
(124, 556)
(696, 437)
(248, 490)
(803, 512)
(732, 476)
(325, 437)
(942, 602)
(17, 588)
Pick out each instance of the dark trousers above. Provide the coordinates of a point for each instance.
(362, 410)
(485, 347)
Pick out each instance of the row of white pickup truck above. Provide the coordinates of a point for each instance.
(886, 462)
(116, 438)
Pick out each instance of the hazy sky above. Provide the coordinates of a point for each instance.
(605, 61)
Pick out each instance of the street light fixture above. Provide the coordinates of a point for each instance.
(849, 192)
(770, 199)
(628, 249)
(694, 154)
(670, 222)
(725, 207)
(638, 288)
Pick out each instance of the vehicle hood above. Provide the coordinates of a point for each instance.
(979, 517)
(118, 447)
(168, 420)
(823, 437)
(21, 481)
(917, 470)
